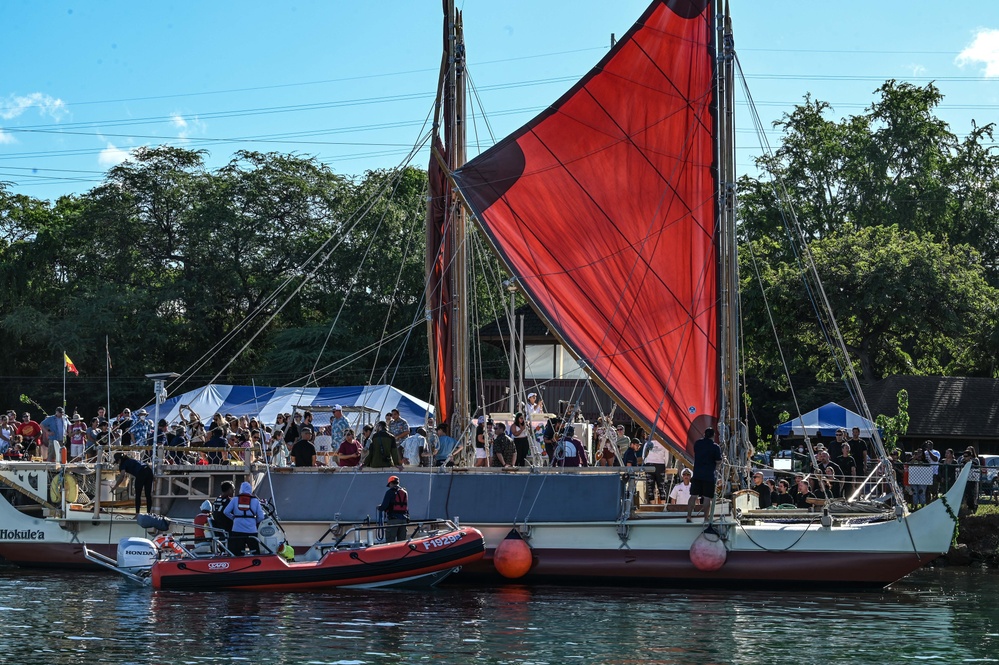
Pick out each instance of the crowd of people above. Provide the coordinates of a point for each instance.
(922, 474)
(839, 469)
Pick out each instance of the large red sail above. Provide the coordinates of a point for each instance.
(604, 207)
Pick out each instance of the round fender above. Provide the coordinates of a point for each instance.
(708, 552)
(513, 558)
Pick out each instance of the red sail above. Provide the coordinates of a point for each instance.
(604, 207)
(439, 300)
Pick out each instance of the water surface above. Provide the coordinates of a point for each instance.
(945, 616)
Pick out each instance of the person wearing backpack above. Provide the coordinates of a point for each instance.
(395, 506)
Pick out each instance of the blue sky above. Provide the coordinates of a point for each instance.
(352, 82)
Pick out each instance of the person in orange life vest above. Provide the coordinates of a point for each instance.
(245, 512)
(395, 505)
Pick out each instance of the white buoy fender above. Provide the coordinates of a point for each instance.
(708, 552)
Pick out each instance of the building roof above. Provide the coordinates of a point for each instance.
(535, 329)
(941, 406)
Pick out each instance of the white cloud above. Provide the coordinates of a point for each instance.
(6, 137)
(13, 106)
(185, 126)
(984, 49)
(917, 70)
(112, 156)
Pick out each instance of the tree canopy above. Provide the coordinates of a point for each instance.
(899, 215)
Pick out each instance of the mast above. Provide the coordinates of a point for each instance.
(728, 261)
(456, 159)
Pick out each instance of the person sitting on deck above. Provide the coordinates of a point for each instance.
(804, 494)
(782, 497)
(680, 494)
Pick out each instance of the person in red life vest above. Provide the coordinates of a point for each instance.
(395, 505)
(245, 512)
(143, 479)
(201, 521)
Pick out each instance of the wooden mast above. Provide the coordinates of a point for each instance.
(455, 91)
(728, 261)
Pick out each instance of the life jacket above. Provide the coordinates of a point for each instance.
(400, 503)
(201, 521)
(244, 503)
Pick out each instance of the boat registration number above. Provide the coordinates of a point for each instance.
(443, 541)
(218, 565)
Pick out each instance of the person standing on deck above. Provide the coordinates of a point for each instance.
(504, 450)
(383, 451)
(395, 506)
(304, 452)
(54, 430)
(245, 512)
(707, 462)
(143, 479)
(447, 447)
(398, 427)
(338, 426)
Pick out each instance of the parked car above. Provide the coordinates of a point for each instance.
(989, 471)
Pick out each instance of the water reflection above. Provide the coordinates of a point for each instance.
(946, 615)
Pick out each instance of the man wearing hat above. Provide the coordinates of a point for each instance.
(141, 428)
(395, 507)
(680, 494)
(632, 457)
(54, 429)
(534, 405)
(77, 436)
(338, 427)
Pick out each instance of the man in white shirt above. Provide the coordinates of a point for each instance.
(681, 491)
(656, 456)
(411, 446)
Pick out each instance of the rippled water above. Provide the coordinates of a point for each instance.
(944, 616)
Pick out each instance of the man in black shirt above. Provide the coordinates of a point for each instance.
(304, 452)
(761, 488)
(219, 519)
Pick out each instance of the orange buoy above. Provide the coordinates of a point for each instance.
(512, 558)
(708, 552)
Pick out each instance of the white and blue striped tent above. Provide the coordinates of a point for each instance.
(265, 403)
(825, 420)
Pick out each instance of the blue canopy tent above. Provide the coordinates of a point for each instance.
(265, 403)
(824, 421)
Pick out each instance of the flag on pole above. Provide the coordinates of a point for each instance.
(70, 367)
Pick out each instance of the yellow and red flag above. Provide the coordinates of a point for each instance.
(70, 367)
